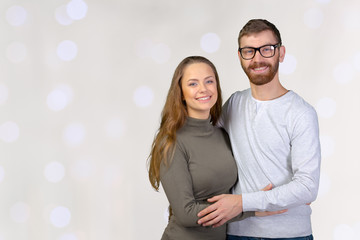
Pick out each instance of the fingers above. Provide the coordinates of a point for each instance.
(212, 207)
(213, 222)
(222, 222)
(281, 211)
(267, 188)
(208, 218)
(206, 211)
(216, 198)
(268, 213)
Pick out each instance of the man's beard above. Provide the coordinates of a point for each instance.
(261, 79)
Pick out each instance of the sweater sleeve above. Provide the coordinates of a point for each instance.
(305, 165)
(177, 184)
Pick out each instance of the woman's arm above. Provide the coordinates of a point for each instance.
(177, 183)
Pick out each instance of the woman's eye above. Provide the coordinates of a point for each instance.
(192, 84)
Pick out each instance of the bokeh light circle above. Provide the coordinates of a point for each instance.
(54, 172)
(143, 96)
(67, 50)
(210, 42)
(60, 97)
(76, 9)
(74, 134)
(16, 15)
(60, 216)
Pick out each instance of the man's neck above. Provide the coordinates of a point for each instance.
(269, 91)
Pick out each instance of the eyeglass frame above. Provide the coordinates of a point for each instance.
(258, 50)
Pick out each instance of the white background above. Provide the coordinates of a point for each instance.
(82, 85)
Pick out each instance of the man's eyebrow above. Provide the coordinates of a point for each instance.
(267, 44)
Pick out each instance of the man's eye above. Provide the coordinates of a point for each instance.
(248, 51)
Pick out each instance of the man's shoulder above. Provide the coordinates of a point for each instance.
(300, 102)
(300, 106)
(239, 95)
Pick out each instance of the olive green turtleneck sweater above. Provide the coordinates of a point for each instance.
(202, 167)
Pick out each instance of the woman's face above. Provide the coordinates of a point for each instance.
(199, 90)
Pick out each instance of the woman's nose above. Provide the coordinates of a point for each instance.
(203, 88)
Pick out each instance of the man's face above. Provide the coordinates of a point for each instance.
(261, 70)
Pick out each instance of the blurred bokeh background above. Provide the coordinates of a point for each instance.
(83, 82)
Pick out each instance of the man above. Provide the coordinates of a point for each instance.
(275, 139)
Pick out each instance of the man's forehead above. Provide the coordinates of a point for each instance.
(258, 39)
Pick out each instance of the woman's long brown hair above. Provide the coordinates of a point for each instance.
(173, 117)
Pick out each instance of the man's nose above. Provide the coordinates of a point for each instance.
(257, 55)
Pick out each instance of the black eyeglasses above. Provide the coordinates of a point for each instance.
(267, 51)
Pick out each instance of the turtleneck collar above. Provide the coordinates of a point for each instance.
(199, 126)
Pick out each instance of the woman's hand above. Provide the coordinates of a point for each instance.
(268, 213)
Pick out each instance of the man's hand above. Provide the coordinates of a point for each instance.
(226, 207)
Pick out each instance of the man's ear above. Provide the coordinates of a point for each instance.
(282, 53)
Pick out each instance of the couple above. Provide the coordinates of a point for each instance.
(270, 131)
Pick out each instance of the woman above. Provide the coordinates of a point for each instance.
(190, 157)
